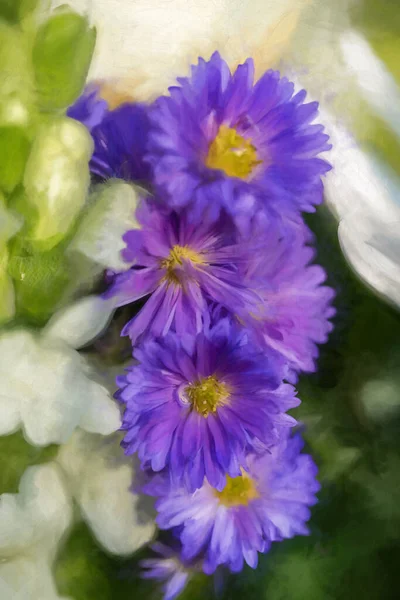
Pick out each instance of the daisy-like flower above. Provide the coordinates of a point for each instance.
(267, 503)
(119, 144)
(119, 136)
(33, 524)
(182, 265)
(219, 141)
(198, 404)
(89, 108)
(169, 569)
(296, 307)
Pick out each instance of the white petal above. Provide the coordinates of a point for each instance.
(10, 419)
(100, 477)
(378, 86)
(102, 414)
(27, 578)
(57, 398)
(110, 215)
(80, 322)
(34, 520)
(46, 499)
(379, 269)
(15, 349)
(50, 386)
(365, 199)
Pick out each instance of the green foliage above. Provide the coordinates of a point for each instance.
(62, 53)
(40, 280)
(16, 455)
(15, 10)
(83, 571)
(44, 174)
(14, 147)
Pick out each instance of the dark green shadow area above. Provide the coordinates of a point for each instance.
(16, 455)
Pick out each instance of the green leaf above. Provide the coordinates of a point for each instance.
(40, 280)
(14, 148)
(83, 571)
(61, 57)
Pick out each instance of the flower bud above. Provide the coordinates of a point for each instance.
(57, 178)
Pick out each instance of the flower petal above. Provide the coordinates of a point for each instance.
(100, 480)
(80, 322)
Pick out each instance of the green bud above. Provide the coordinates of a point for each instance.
(14, 148)
(7, 299)
(40, 280)
(57, 178)
(62, 53)
(17, 96)
(10, 223)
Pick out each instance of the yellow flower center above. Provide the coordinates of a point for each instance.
(175, 260)
(232, 153)
(238, 491)
(207, 394)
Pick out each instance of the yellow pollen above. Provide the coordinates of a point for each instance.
(232, 153)
(238, 491)
(207, 394)
(175, 259)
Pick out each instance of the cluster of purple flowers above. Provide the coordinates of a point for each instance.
(234, 308)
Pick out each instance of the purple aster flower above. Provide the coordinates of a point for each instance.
(198, 403)
(269, 502)
(182, 265)
(168, 568)
(89, 108)
(119, 144)
(119, 136)
(219, 140)
(296, 307)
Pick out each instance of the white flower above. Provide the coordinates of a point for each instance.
(99, 477)
(375, 82)
(47, 388)
(111, 213)
(32, 523)
(363, 193)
